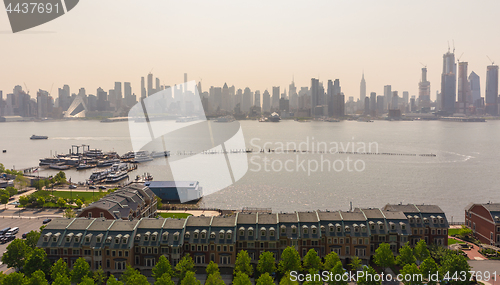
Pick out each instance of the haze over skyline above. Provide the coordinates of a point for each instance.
(257, 44)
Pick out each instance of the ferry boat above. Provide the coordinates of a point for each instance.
(93, 153)
(99, 175)
(85, 166)
(116, 176)
(49, 161)
(35, 137)
(156, 154)
(109, 162)
(128, 155)
(119, 167)
(59, 166)
(142, 158)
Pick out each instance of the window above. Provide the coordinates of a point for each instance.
(347, 250)
(137, 260)
(113, 253)
(102, 215)
(283, 229)
(294, 230)
(221, 236)
(263, 233)
(242, 233)
(361, 252)
(126, 253)
(90, 214)
(314, 231)
(120, 253)
(271, 233)
(228, 236)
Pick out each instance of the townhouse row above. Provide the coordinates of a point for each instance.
(111, 244)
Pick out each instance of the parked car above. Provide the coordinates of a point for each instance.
(46, 221)
(92, 187)
(8, 237)
(25, 234)
(72, 186)
(102, 187)
(4, 231)
(13, 231)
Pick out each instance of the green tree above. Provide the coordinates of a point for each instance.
(32, 239)
(2, 168)
(165, 279)
(312, 261)
(37, 259)
(87, 281)
(368, 277)
(338, 272)
(80, 270)
(13, 278)
(61, 202)
(241, 279)
(454, 265)
(163, 266)
(265, 279)
(21, 181)
(60, 177)
(287, 280)
(61, 280)
(464, 232)
(16, 254)
(421, 252)
(242, 263)
(212, 268)
(113, 281)
(410, 272)
(355, 263)
(159, 204)
(429, 267)
(214, 279)
(99, 276)
(37, 278)
(40, 201)
(128, 274)
(23, 201)
(405, 255)
(69, 213)
(186, 264)
(190, 279)
(137, 279)
(313, 278)
(331, 260)
(79, 203)
(290, 260)
(11, 190)
(383, 256)
(266, 263)
(4, 199)
(59, 268)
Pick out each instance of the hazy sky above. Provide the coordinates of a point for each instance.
(258, 44)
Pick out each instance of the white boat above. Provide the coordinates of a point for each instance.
(99, 175)
(116, 176)
(156, 154)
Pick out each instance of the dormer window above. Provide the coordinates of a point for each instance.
(165, 236)
(204, 234)
(323, 229)
(305, 229)
(56, 237)
(339, 228)
(138, 237)
(176, 236)
(186, 235)
(294, 229)
(426, 220)
(154, 236)
(88, 238)
(242, 231)
(146, 236)
(99, 238)
(314, 229)
(221, 234)
(403, 226)
(283, 229)
(125, 238)
(411, 220)
(271, 231)
(108, 239)
(46, 237)
(331, 228)
(418, 220)
(347, 229)
(117, 238)
(356, 228)
(212, 235)
(68, 237)
(263, 232)
(228, 234)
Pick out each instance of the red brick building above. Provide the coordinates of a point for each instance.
(484, 220)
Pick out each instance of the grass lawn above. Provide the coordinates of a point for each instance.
(453, 231)
(175, 215)
(76, 194)
(453, 241)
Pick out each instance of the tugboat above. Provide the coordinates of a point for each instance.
(35, 137)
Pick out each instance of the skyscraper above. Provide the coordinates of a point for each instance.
(257, 99)
(275, 103)
(395, 100)
(315, 100)
(150, 84)
(266, 101)
(475, 87)
(294, 98)
(143, 88)
(373, 103)
(448, 83)
(491, 96)
(118, 94)
(387, 96)
(424, 91)
(362, 88)
(463, 88)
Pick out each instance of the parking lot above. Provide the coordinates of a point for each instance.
(25, 225)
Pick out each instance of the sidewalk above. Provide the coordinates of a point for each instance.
(473, 253)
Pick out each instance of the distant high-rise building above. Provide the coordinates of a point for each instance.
(464, 95)
(491, 96)
(157, 85)
(387, 96)
(293, 96)
(257, 99)
(143, 88)
(225, 98)
(150, 84)
(275, 103)
(315, 96)
(362, 88)
(63, 98)
(43, 104)
(102, 99)
(247, 100)
(448, 83)
(394, 100)
(406, 97)
(380, 104)
(424, 91)
(185, 77)
(373, 103)
(367, 106)
(475, 87)
(266, 101)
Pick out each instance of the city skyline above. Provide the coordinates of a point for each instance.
(250, 53)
